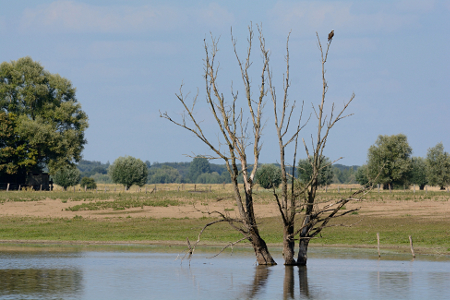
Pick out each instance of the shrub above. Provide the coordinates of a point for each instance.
(88, 182)
(67, 177)
(128, 171)
(268, 176)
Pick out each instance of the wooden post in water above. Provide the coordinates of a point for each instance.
(412, 249)
(378, 243)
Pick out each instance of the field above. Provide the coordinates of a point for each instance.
(174, 212)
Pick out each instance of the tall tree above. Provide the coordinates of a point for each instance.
(438, 166)
(231, 119)
(303, 199)
(389, 160)
(43, 122)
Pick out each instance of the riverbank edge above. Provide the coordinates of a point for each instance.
(392, 249)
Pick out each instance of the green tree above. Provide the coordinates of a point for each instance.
(44, 122)
(268, 176)
(438, 166)
(128, 171)
(198, 166)
(88, 182)
(305, 170)
(68, 176)
(362, 176)
(418, 173)
(389, 160)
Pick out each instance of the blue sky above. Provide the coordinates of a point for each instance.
(127, 60)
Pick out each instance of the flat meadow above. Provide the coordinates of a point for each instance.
(170, 213)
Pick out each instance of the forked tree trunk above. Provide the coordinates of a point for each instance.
(288, 245)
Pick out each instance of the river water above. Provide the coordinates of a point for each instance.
(148, 273)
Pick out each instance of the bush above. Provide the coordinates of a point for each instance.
(88, 182)
(268, 176)
(67, 177)
(128, 171)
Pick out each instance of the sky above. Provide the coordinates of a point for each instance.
(128, 59)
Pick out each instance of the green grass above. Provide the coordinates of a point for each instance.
(393, 231)
(426, 232)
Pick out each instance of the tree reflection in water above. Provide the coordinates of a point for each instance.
(41, 282)
(261, 278)
(259, 282)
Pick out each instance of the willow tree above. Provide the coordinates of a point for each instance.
(230, 115)
(303, 216)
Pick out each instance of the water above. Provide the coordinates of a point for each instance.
(71, 273)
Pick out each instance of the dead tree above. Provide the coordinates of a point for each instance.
(232, 122)
(302, 197)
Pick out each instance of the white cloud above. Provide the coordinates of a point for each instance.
(323, 16)
(73, 16)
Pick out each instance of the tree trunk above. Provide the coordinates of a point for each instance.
(262, 253)
(302, 252)
(288, 245)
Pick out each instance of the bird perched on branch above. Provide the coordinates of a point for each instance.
(330, 35)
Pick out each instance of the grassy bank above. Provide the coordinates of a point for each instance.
(427, 233)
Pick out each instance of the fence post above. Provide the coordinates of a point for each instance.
(339, 191)
(378, 188)
(378, 242)
(40, 189)
(7, 187)
(414, 189)
(85, 188)
(195, 187)
(19, 187)
(412, 249)
(73, 188)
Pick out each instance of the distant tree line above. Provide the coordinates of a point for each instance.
(199, 170)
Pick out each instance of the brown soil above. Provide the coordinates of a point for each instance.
(57, 209)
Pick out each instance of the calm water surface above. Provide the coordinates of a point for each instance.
(331, 274)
